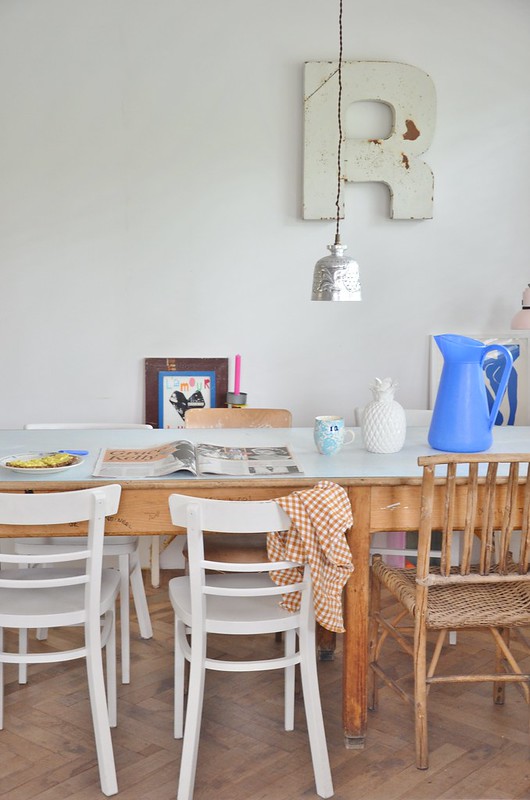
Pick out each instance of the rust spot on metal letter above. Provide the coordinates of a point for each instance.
(412, 132)
(405, 161)
(374, 141)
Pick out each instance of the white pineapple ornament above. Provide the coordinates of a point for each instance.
(383, 423)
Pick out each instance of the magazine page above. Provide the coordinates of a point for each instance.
(146, 462)
(219, 460)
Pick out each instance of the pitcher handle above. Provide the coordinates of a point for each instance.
(504, 377)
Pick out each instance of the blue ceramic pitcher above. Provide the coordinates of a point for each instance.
(462, 421)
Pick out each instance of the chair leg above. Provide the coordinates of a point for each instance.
(373, 639)
(110, 661)
(100, 715)
(41, 633)
(23, 649)
(155, 561)
(420, 695)
(313, 712)
(500, 686)
(178, 687)
(289, 650)
(139, 597)
(124, 566)
(190, 746)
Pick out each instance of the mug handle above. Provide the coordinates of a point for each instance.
(346, 432)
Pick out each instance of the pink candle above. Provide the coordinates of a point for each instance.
(237, 375)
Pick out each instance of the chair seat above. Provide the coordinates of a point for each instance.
(112, 545)
(225, 614)
(51, 605)
(461, 606)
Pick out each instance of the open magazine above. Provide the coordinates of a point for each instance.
(199, 459)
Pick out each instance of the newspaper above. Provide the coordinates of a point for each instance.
(200, 459)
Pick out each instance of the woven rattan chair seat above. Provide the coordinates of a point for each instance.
(461, 606)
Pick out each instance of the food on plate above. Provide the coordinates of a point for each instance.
(44, 462)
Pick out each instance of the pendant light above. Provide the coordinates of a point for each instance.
(336, 277)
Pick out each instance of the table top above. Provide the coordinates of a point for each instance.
(353, 465)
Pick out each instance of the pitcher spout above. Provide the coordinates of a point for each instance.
(459, 348)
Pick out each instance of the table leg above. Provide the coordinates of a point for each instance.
(326, 643)
(155, 561)
(354, 708)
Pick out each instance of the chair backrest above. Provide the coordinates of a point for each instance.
(459, 494)
(84, 426)
(238, 418)
(233, 516)
(415, 417)
(60, 508)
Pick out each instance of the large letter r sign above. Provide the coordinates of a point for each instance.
(395, 161)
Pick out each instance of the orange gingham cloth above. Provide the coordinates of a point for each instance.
(320, 518)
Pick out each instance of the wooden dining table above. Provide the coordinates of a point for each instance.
(384, 492)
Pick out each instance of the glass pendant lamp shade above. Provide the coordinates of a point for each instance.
(336, 277)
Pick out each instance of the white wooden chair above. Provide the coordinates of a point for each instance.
(241, 599)
(155, 549)
(222, 547)
(55, 595)
(125, 548)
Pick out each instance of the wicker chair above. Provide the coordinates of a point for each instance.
(493, 595)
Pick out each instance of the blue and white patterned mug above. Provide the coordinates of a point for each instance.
(330, 434)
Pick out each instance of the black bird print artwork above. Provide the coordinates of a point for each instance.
(181, 404)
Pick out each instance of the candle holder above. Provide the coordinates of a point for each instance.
(236, 399)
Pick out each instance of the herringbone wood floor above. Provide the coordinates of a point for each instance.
(478, 751)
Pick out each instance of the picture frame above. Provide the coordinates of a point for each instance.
(515, 405)
(173, 385)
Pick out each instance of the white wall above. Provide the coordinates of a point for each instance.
(150, 199)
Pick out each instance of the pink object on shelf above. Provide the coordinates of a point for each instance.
(396, 540)
(237, 375)
(521, 321)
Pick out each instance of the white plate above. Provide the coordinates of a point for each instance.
(37, 470)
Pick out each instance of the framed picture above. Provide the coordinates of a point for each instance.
(173, 385)
(515, 406)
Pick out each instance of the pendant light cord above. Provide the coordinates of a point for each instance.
(339, 115)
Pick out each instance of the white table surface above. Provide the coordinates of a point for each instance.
(353, 460)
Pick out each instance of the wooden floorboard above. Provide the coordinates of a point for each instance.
(478, 751)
